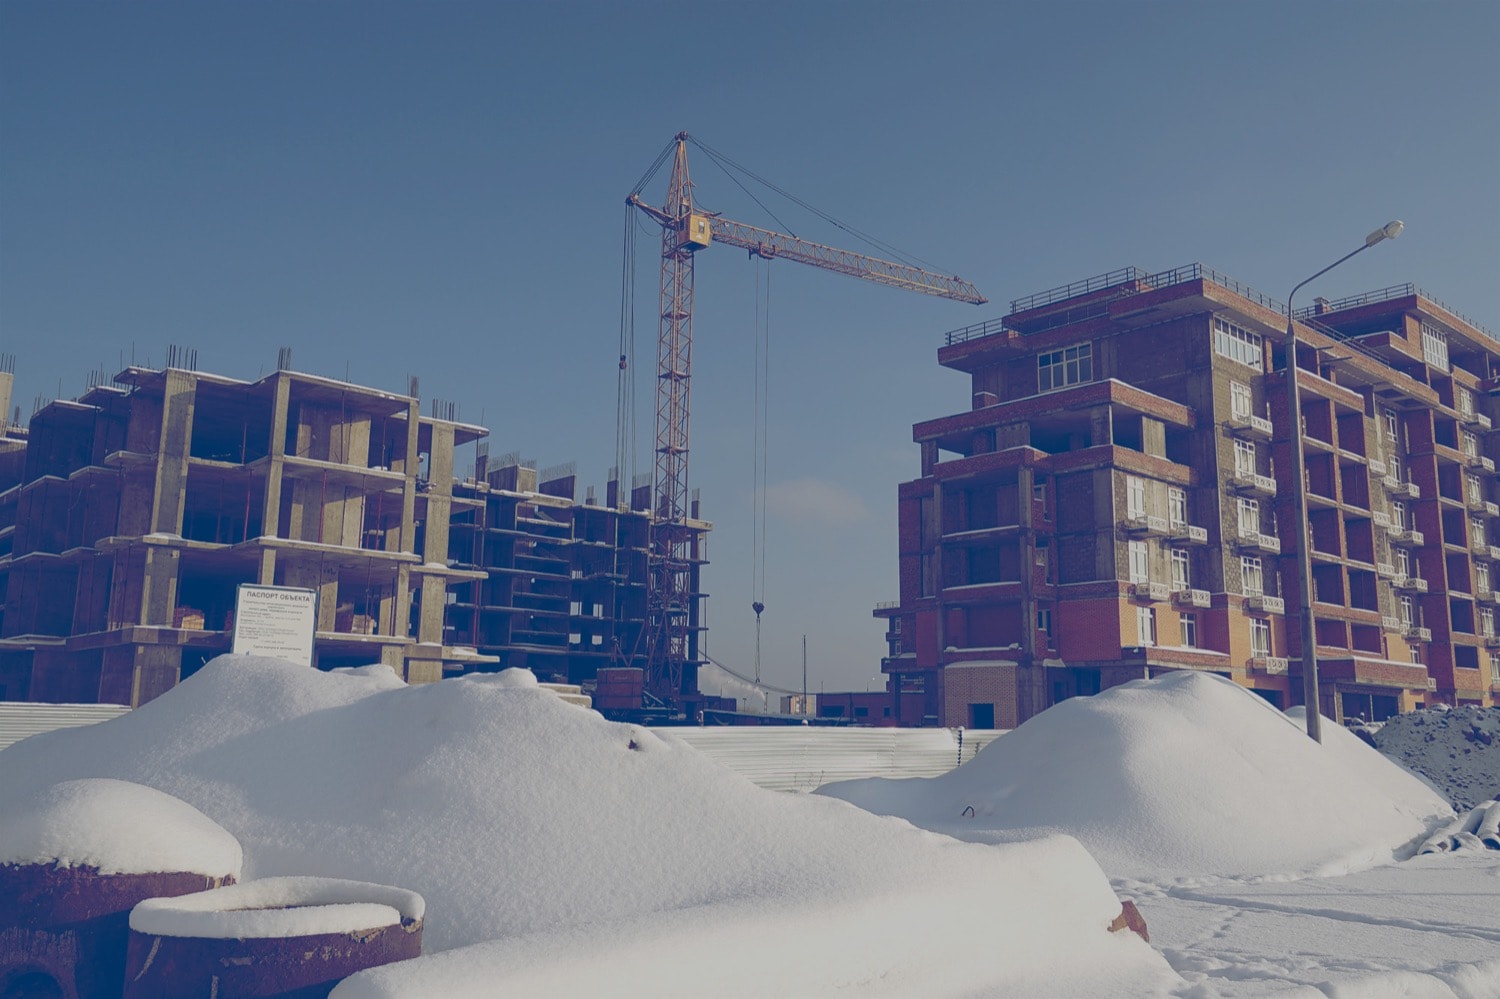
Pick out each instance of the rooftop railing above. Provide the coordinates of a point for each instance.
(1385, 295)
(1073, 289)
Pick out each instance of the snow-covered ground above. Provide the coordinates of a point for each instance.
(560, 854)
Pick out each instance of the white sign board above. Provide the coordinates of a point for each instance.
(275, 621)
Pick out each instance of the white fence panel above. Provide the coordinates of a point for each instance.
(803, 758)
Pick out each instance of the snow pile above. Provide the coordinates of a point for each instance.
(524, 820)
(114, 826)
(1186, 775)
(1457, 749)
(277, 907)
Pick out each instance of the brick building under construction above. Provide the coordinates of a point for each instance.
(1117, 501)
(129, 517)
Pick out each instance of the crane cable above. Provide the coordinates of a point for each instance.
(762, 382)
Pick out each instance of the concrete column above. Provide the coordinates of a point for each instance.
(1101, 426)
(1153, 437)
(276, 451)
(172, 455)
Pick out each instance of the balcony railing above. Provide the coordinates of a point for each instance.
(1417, 633)
(1146, 590)
(1391, 623)
(1393, 484)
(1416, 584)
(1254, 482)
(1267, 604)
(1413, 490)
(1247, 425)
(1140, 523)
(1492, 641)
(1190, 533)
(1385, 570)
(1381, 519)
(1192, 598)
(1269, 665)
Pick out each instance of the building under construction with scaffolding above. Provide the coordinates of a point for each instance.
(130, 516)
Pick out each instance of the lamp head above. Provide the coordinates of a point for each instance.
(1388, 231)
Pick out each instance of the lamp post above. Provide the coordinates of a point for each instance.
(1299, 493)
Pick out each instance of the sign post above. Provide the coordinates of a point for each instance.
(276, 621)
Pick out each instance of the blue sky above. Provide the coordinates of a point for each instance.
(437, 189)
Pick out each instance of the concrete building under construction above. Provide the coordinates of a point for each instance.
(1117, 501)
(130, 516)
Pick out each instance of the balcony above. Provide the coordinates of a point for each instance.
(1491, 509)
(1189, 533)
(1417, 633)
(1412, 489)
(1479, 546)
(1268, 665)
(1484, 595)
(1265, 604)
(1410, 535)
(1192, 598)
(1245, 425)
(1391, 623)
(1146, 590)
(1415, 584)
(1381, 519)
(1393, 484)
(1253, 482)
(1492, 641)
(1144, 524)
(1385, 570)
(1494, 552)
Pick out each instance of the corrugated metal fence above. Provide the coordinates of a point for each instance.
(19, 719)
(802, 758)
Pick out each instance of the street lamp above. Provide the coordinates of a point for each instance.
(1299, 494)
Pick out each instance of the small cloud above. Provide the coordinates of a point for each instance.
(815, 501)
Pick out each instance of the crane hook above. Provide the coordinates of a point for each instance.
(757, 607)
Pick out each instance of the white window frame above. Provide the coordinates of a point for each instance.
(1140, 562)
(1067, 366)
(1241, 401)
(1244, 457)
(1398, 513)
(1408, 611)
(1249, 514)
(1044, 620)
(1403, 562)
(1476, 532)
(1260, 637)
(1476, 491)
(1188, 629)
(1176, 506)
(1135, 496)
(1463, 400)
(1145, 625)
(1469, 444)
(1182, 569)
(1391, 424)
(1435, 347)
(1487, 622)
(1481, 576)
(1237, 344)
(1252, 576)
(1393, 466)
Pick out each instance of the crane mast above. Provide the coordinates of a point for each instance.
(671, 639)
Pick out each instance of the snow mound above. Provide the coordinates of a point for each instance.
(114, 826)
(523, 819)
(1181, 776)
(1457, 749)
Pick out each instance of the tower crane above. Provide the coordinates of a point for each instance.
(685, 230)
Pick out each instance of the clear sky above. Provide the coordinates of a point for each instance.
(437, 189)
